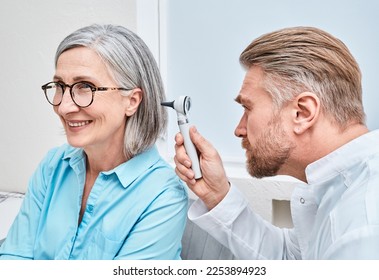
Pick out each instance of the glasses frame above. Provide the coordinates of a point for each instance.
(91, 86)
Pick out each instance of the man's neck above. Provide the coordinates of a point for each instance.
(318, 143)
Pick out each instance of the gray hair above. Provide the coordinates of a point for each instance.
(132, 65)
(301, 59)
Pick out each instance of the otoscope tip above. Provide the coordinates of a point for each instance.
(168, 104)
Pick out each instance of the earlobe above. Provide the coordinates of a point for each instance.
(307, 109)
(134, 100)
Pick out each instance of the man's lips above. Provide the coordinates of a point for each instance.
(245, 144)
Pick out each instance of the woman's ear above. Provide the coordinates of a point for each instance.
(134, 100)
(306, 109)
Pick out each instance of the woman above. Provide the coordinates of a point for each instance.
(107, 194)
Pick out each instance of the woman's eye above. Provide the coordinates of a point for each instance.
(62, 84)
(84, 86)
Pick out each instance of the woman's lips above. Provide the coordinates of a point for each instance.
(77, 123)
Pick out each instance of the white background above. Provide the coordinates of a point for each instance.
(202, 40)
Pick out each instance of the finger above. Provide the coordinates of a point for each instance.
(188, 181)
(185, 174)
(181, 156)
(179, 140)
(184, 170)
(199, 141)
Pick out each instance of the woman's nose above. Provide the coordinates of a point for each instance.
(67, 105)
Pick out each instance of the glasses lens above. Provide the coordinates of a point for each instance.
(53, 92)
(82, 94)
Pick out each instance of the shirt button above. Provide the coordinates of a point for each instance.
(302, 200)
(90, 208)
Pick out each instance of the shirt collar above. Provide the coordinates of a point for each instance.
(345, 156)
(126, 172)
(130, 170)
(73, 154)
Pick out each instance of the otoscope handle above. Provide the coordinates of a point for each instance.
(190, 149)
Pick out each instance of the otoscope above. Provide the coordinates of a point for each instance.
(182, 106)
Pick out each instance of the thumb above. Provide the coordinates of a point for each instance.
(201, 144)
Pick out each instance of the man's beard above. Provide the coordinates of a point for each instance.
(271, 150)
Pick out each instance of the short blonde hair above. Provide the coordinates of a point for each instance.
(301, 59)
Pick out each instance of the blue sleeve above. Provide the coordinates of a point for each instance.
(20, 239)
(158, 232)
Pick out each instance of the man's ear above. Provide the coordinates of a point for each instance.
(306, 109)
(134, 100)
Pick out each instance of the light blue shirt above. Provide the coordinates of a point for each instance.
(335, 215)
(135, 211)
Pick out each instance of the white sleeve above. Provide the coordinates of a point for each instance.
(233, 223)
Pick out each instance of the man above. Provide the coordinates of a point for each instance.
(303, 117)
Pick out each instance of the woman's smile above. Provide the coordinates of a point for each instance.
(78, 123)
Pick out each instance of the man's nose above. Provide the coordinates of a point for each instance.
(240, 130)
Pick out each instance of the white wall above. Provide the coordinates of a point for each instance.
(202, 40)
(30, 32)
(198, 45)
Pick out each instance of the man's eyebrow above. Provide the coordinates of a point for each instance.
(243, 100)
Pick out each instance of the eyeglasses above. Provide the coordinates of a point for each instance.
(82, 93)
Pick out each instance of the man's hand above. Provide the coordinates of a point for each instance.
(214, 184)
